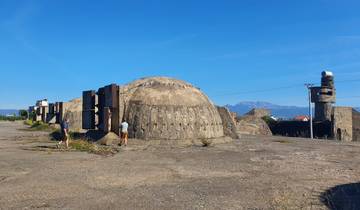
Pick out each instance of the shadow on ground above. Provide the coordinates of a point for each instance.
(342, 197)
(57, 135)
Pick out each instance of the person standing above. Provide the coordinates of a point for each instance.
(65, 133)
(124, 133)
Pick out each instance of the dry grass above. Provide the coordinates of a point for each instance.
(40, 126)
(86, 146)
(283, 141)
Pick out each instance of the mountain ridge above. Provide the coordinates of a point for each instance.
(280, 111)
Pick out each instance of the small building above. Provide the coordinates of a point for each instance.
(302, 118)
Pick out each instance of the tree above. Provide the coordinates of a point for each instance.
(23, 113)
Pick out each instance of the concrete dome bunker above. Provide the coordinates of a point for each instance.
(164, 108)
(156, 108)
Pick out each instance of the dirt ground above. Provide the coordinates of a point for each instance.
(250, 173)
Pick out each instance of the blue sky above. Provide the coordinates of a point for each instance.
(232, 50)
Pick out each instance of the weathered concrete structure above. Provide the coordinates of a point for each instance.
(324, 96)
(72, 110)
(156, 108)
(259, 113)
(54, 113)
(356, 125)
(339, 123)
(51, 115)
(228, 121)
(253, 124)
(345, 124)
(40, 110)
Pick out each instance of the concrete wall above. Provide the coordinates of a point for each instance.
(323, 111)
(356, 125)
(173, 122)
(73, 111)
(302, 129)
(229, 124)
(342, 120)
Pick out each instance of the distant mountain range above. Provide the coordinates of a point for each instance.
(276, 110)
(240, 108)
(5, 112)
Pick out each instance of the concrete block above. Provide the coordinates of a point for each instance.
(88, 119)
(88, 100)
(51, 108)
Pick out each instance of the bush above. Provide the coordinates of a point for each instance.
(9, 118)
(28, 122)
(32, 115)
(23, 114)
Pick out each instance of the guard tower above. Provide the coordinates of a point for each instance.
(324, 97)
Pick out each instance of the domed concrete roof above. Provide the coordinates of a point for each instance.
(167, 91)
(166, 108)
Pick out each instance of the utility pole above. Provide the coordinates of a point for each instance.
(309, 86)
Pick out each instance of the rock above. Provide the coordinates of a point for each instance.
(109, 139)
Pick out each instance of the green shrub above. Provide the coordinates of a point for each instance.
(29, 122)
(9, 118)
(23, 114)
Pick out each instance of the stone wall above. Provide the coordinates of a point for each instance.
(228, 122)
(342, 121)
(356, 125)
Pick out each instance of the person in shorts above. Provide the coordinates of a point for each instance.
(64, 133)
(124, 133)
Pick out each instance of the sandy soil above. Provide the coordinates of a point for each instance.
(250, 173)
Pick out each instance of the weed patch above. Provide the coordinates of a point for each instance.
(85, 146)
(28, 122)
(40, 126)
